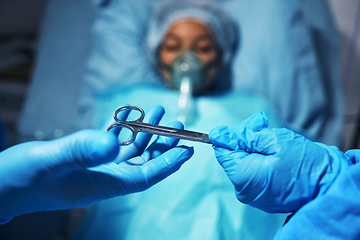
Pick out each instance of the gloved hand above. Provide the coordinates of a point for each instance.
(81, 169)
(275, 170)
(353, 155)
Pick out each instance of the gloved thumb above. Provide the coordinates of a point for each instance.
(235, 139)
(256, 122)
(87, 148)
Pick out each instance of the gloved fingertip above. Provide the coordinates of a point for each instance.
(160, 107)
(353, 155)
(154, 115)
(86, 148)
(256, 122)
(176, 124)
(190, 149)
(223, 137)
(157, 109)
(263, 120)
(218, 132)
(178, 155)
(187, 151)
(103, 147)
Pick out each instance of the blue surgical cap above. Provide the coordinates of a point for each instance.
(221, 25)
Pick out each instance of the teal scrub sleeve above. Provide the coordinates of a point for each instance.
(275, 170)
(333, 215)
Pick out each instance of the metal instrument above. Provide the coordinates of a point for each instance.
(137, 126)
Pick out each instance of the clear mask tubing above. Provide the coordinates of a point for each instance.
(188, 74)
(188, 67)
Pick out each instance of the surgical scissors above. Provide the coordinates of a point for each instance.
(137, 126)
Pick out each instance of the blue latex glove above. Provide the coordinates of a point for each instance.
(275, 170)
(83, 168)
(333, 215)
(354, 155)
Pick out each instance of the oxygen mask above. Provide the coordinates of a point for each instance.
(188, 74)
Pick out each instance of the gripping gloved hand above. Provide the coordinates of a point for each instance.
(275, 170)
(83, 168)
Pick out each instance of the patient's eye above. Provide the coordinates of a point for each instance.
(171, 45)
(205, 48)
(171, 48)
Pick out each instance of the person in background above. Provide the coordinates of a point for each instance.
(291, 62)
(190, 47)
(272, 63)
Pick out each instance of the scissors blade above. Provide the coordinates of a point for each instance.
(172, 132)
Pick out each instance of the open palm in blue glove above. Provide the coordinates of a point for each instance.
(83, 168)
(275, 170)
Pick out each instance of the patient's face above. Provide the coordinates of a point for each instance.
(188, 34)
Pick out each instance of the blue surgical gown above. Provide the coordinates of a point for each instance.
(198, 201)
(288, 54)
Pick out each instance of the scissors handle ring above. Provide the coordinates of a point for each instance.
(137, 126)
(140, 119)
(133, 130)
(124, 123)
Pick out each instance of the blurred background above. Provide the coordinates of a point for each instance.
(21, 24)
